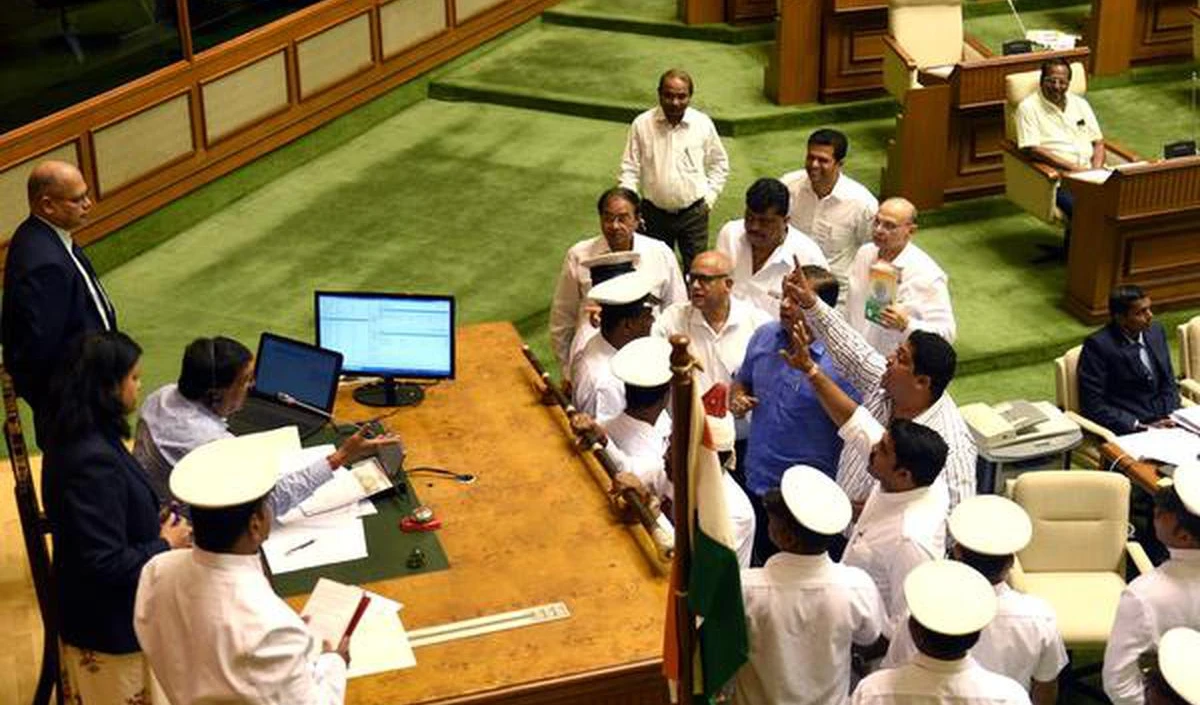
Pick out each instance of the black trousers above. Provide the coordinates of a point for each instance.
(687, 227)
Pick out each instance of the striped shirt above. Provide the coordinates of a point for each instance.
(864, 366)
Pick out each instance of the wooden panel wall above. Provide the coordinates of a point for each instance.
(852, 48)
(222, 108)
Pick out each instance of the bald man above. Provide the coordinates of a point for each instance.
(921, 298)
(51, 292)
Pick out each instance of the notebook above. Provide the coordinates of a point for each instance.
(295, 384)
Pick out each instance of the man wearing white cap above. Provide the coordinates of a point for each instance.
(1167, 597)
(950, 604)
(903, 523)
(803, 611)
(625, 315)
(1171, 674)
(1022, 642)
(588, 261)
(211, 627)
(638, 439)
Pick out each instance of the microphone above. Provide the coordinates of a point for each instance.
(288, 399)
(1020, 24)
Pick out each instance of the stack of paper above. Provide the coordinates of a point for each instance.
(1175, 446)
(378, 641)
(1188, 419)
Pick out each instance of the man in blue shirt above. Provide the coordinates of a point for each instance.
(788, 426)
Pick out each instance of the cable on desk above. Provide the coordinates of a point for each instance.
(464, 478)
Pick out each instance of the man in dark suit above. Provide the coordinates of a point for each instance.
(51, 292)
(1125, 378)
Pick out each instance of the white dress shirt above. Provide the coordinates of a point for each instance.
(763, 289)
(673, 166)
(863, 366)
(597, 391)
(930, 681)
(922, 294)
(570, 328)
(839, 223)
(214, 631)
(1154, 603)
(897, 531)
(1022, 642)
(637, 447)
(95, 289)
(1067, 134)
(720, 352)
(802, 614)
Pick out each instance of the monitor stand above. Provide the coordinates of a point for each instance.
(387, 392)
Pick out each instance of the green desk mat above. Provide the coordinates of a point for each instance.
(388, 547)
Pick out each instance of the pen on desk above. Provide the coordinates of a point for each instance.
(293, 549)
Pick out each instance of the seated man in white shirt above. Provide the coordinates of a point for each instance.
(1059, 129)
(895, 288)
(1167, 597)
(835, 210)
(903, 523)
(764, 248)
(626, 314)
(950, 604)
(211, 626)
(1022, 642)
(620, 218)
(805, 612)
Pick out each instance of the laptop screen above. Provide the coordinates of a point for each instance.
(306, 372)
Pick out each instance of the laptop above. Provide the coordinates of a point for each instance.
(295, 384)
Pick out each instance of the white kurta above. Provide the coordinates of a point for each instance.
(214, 631)
(597, 391)
(1154, 603)
(673, 166)
(923, 294)
(928, 681)
(839, 223)
(1022, 642)
(802, 614)
(569, 327)
(897, 531)
(763, 289)
(1068, 134)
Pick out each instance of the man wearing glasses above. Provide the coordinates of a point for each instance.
(895, 288)
(51, 292)
(1060, 130)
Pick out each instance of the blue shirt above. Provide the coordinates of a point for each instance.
(788, 427)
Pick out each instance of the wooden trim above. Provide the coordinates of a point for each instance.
(451, 15)
(371, 66)
(184, 23)
(201, 84)
(156, 171)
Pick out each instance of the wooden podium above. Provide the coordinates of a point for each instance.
(826, 50)
(1139, 226)
(1126, 32)
(731, 11)
(949, 134)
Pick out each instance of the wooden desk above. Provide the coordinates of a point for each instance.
(1138, 227)
(1144, 475)
(534, 528)
(826, 50)
(1122, 33)
(948, 141)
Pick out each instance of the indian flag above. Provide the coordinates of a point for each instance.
(714, 586)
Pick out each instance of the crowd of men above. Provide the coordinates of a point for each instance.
(873, 571)
(829, 334)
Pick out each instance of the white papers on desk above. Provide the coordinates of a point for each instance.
(1188, 419)
(1052, 39)
(1175, 446)
(315, 542)
(379, 642)
(1092, 176)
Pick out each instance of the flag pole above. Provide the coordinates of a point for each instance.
(681, 415)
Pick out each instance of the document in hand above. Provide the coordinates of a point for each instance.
(362, 480)
(882, 283)
(378, 641)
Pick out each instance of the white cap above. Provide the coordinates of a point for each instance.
(612, 258)
(643, 362)
(1187, 484)
(1177, 659)
(228, 472)
(991, 525)
(815, 500)
(949, 597)
(622, 289)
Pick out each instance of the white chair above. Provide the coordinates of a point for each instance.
(1189, 359)
(1066, 394)
(925, 41)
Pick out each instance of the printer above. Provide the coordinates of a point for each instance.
(1019, 427)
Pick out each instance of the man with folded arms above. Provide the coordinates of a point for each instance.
(207, 618)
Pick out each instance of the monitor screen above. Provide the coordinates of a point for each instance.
(304, 371)
(388, 335)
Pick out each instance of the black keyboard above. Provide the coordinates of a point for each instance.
(263, 415)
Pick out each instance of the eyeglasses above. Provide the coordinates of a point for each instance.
(703, 279)
(622, 218)
(887, 225)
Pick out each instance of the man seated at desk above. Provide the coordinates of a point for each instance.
(1059, 129)
(1126, 382)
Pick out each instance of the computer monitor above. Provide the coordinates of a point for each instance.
(393, 336)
